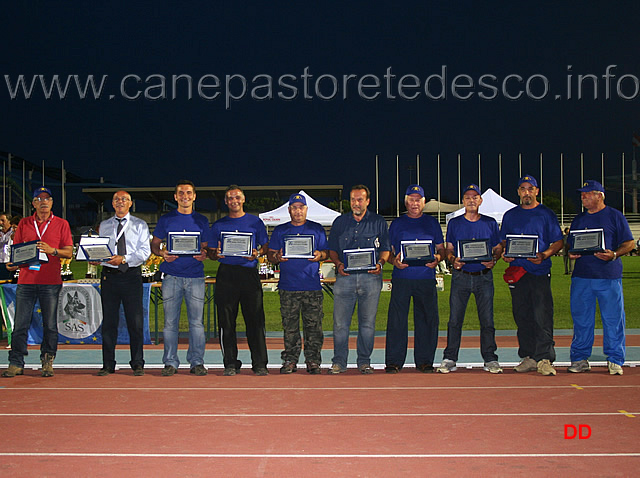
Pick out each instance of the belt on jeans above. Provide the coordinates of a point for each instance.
(477, 273)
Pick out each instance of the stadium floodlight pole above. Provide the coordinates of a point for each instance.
(10, 187)
(377, 187)
(541, 201)
(459, 181)
(24, 186)
(562, 190)
(4, 186)
(43, 173)
(64, 193)
(634, 176)
(519, 165)
(398, 185)
(438, 188)
(622, 183)
(581, 175)
(417, 169)
(602, 168)
(479, 173)
(500, 173)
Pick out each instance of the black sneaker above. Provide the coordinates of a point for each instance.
(199, 370)
(391, 368)
(229, 371)
(169, 370)
(104, 371)
(425, 368)
(261, 371)
(138, 371)
(289, 367)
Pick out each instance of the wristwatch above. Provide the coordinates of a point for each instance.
(124, 260)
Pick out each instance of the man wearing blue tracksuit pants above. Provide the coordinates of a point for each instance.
(598, 277)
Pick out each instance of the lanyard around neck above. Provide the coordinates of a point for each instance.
(35, 224)
(124, 226)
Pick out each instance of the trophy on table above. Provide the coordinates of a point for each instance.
(66, 272)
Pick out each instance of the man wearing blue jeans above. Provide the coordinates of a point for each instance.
(417, 281)
(357, 230)
(183, 278)
(471, 277)
(598, 276)
(39, 281)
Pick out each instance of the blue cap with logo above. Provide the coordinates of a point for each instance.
(297, 197)
(527, 178)
(39, 191)
(472, 187)
(591, 185)
(415, 189)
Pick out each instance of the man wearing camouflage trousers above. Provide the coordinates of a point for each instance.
(299, 286)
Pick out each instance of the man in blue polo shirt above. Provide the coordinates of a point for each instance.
(532, 302)
(183, 278)
(299, 287)
(471, 278)
(598, 277)
(358, 229)
(417, 281)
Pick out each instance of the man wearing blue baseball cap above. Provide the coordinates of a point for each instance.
(414, 280)
(532, 301)
(598, 277)
(472, 277)
(39, 280)
(299, 286)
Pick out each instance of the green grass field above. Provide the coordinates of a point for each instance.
(503, 318)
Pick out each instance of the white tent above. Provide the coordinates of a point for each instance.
(316, 212)
(433, 205)
(493, 205)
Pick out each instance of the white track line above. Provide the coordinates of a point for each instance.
(312, 415)
(318, 389)
(316, 456)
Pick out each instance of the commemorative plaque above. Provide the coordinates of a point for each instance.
(416, 253)
(359, 259)
(521, 245)
(474, 250)
(96, 252)
(300, 246)
(25, 253)
(236, 244)
(185, 243)
(96, 245)
(587, 241)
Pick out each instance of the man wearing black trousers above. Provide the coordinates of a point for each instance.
(121, 282)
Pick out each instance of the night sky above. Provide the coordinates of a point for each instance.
(298, 140)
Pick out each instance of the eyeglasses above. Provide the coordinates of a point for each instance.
(121, 199)
(47, 199)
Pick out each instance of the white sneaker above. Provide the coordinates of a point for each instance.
(545, 367)
(615, 369)
(447, 366)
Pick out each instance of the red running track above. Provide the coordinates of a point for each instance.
(467, 423)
